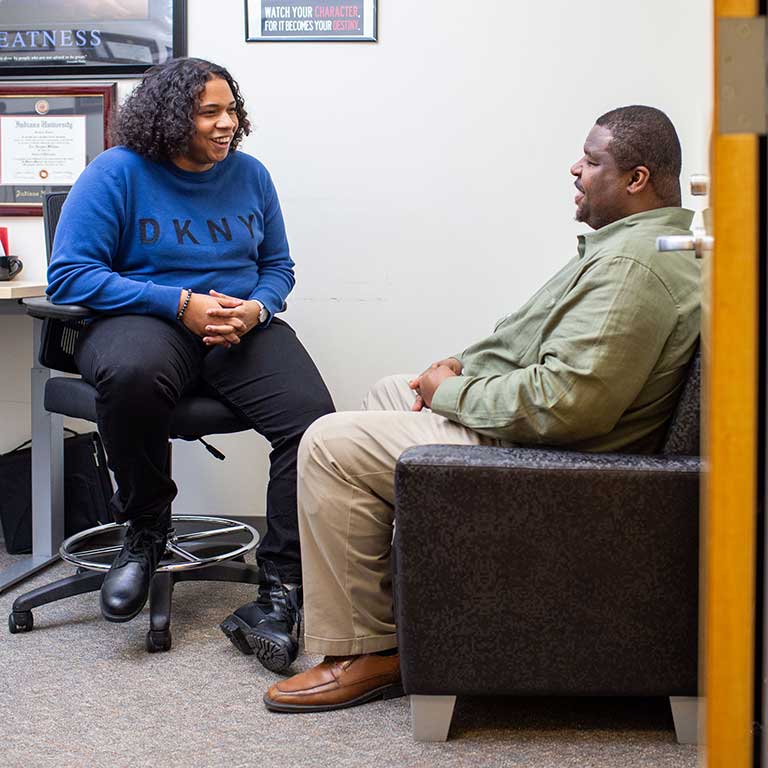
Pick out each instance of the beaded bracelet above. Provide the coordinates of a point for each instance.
(184, 306)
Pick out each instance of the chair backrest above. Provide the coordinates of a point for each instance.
(52, 203)
(58, 337)
(683, 434)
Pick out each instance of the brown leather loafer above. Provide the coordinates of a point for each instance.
(338, 682)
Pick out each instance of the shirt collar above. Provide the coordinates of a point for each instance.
(677, 218)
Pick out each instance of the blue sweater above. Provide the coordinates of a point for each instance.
(133, 233)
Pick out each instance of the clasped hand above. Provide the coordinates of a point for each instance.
(425, 385)
(220, 320)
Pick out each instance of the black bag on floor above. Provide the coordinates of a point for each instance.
(87, 490)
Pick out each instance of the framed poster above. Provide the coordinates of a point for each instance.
(92, 38)
(48, 134)
(310, 20)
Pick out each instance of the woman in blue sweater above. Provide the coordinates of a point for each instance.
(178, 241)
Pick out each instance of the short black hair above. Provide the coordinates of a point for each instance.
(157, 120)
(645, 136)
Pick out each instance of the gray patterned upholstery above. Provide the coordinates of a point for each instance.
(683, 436)
(533, 571)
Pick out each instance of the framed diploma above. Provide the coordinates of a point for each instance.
(92, 38)
(48, 134)
(310, 21)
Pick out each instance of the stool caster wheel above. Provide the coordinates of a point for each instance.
(20, 621)
(158, 640)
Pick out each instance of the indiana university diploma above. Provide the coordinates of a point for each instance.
(41, 149)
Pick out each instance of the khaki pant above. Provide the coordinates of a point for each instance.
(346, 468)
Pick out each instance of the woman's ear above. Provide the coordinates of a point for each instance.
(639, 180)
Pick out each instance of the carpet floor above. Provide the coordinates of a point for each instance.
(79, 692)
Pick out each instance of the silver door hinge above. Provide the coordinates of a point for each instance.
(742, 84)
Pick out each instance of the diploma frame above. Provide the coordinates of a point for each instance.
(111, 57)
(95, 102)
(255, 31)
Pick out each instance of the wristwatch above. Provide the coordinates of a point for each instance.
(264, 314)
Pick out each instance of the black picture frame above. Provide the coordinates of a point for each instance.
(94, 103)
(126, 47)
(366, 32)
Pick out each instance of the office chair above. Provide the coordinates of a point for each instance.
(190, 555)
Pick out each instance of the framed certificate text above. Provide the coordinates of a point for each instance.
(48, 134)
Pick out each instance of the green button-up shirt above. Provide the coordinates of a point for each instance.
(596, 359)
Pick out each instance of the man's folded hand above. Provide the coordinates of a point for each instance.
(427, 383)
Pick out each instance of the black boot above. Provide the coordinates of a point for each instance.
(265, 627)
(238, 623)
(126, 585)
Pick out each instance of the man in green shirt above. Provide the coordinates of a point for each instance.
(594, 361)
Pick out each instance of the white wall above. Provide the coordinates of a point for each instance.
(424, 179)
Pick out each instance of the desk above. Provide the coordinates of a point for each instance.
(21, 289)
(47, 452)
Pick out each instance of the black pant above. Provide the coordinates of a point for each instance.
(141, 365)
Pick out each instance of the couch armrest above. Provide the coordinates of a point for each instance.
(43, 308)
(532, 571)
(545, 459)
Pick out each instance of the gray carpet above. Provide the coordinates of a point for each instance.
(78, 692)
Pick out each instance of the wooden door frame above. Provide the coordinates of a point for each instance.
(730, 408)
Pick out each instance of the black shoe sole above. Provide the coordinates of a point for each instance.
(234, 628)
(271, 653)
(391, 691)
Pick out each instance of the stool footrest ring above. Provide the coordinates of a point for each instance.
(176, 558)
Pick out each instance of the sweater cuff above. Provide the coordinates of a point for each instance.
(269, 304)
(162, 300)
(445, 401)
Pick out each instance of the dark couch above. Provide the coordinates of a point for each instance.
(524, 571)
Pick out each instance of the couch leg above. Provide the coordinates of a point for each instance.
(685, 713)
(431, 717)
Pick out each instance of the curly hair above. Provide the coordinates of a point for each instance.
(157, 120)
(645, 136)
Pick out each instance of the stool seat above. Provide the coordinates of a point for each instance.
(193, 416)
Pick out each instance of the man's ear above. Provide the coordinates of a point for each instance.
(639, 180)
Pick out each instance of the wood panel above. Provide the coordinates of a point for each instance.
(20, 289)
(731, 397)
